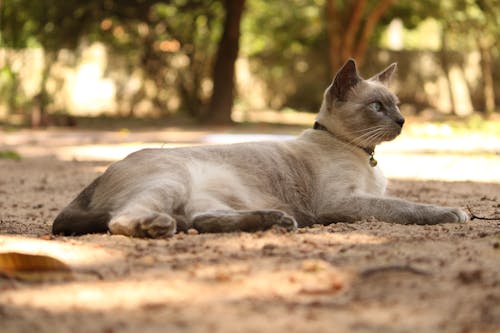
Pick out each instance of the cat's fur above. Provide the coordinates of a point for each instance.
(323, 176)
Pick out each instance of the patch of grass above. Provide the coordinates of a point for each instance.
(9, 155)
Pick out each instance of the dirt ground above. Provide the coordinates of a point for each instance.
(367, 276)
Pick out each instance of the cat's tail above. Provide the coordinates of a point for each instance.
(74, 221)
(79, 218)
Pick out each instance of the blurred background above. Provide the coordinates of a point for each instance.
(147, 58)
(121, 64)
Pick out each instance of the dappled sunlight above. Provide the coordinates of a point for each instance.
(273, 117)
(439, 152)
(248, 242)
(446, 167)
(200, 282)
(206, 284)
(107, 152)
(466, 144)
(244, 137)
(119, 151)
(74, 254)
(407, 315)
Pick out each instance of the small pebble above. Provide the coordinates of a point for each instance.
(148, 260)
(192, 232)
(470, 276)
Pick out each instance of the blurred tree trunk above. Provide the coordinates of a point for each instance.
(39, 115)
(445, 65)
(487, 71)
(334, 26)
(221, 103)
(350, 28)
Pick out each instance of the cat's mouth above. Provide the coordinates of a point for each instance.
(391, 134)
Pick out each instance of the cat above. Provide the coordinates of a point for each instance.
(328, 174)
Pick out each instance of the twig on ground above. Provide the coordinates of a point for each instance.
(392, 268)
(474, 216)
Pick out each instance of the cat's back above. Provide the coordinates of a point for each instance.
(253, 162)
(262, 155)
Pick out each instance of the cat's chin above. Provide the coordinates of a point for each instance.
(388, 137)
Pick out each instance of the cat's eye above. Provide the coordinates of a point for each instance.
(375, 106)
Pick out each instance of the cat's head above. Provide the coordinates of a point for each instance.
(363, 112)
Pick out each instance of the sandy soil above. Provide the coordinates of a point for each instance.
(367, 276)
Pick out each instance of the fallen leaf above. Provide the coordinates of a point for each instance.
(33, 267)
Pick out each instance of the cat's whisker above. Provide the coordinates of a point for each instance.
(371, 130)
(364, 130)
(384, 135)
(374, 137)
(366, 137)
(359, 141)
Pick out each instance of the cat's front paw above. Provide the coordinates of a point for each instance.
(287, 222)
(445, 215)
(461, 216)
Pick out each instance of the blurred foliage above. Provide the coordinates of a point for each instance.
(464, 20)
(268, 28)
(171, 44)
(155, 36)
(281, 39)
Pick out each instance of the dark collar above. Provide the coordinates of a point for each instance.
(370, 151)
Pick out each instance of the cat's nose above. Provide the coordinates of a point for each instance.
(400, 121)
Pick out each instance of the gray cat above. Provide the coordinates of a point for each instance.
(328, 174)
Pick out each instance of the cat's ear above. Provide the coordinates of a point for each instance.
(346, 78)
(386, 75)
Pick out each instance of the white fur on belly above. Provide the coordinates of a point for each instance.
(214, 186)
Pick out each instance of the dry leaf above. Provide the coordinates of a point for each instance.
(33, 268)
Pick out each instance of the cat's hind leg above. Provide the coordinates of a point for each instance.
(242, 220)
(216, 211)
(148, 214)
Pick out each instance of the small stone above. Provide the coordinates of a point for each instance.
(471, 276)
(192, 231)
(47, 237)
(222, 276)
(148, 260)
(312, 265)
(269, 247)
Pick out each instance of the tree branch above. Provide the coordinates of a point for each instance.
(371, 22)
(352, 29)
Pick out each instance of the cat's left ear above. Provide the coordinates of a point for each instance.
(386, 75)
